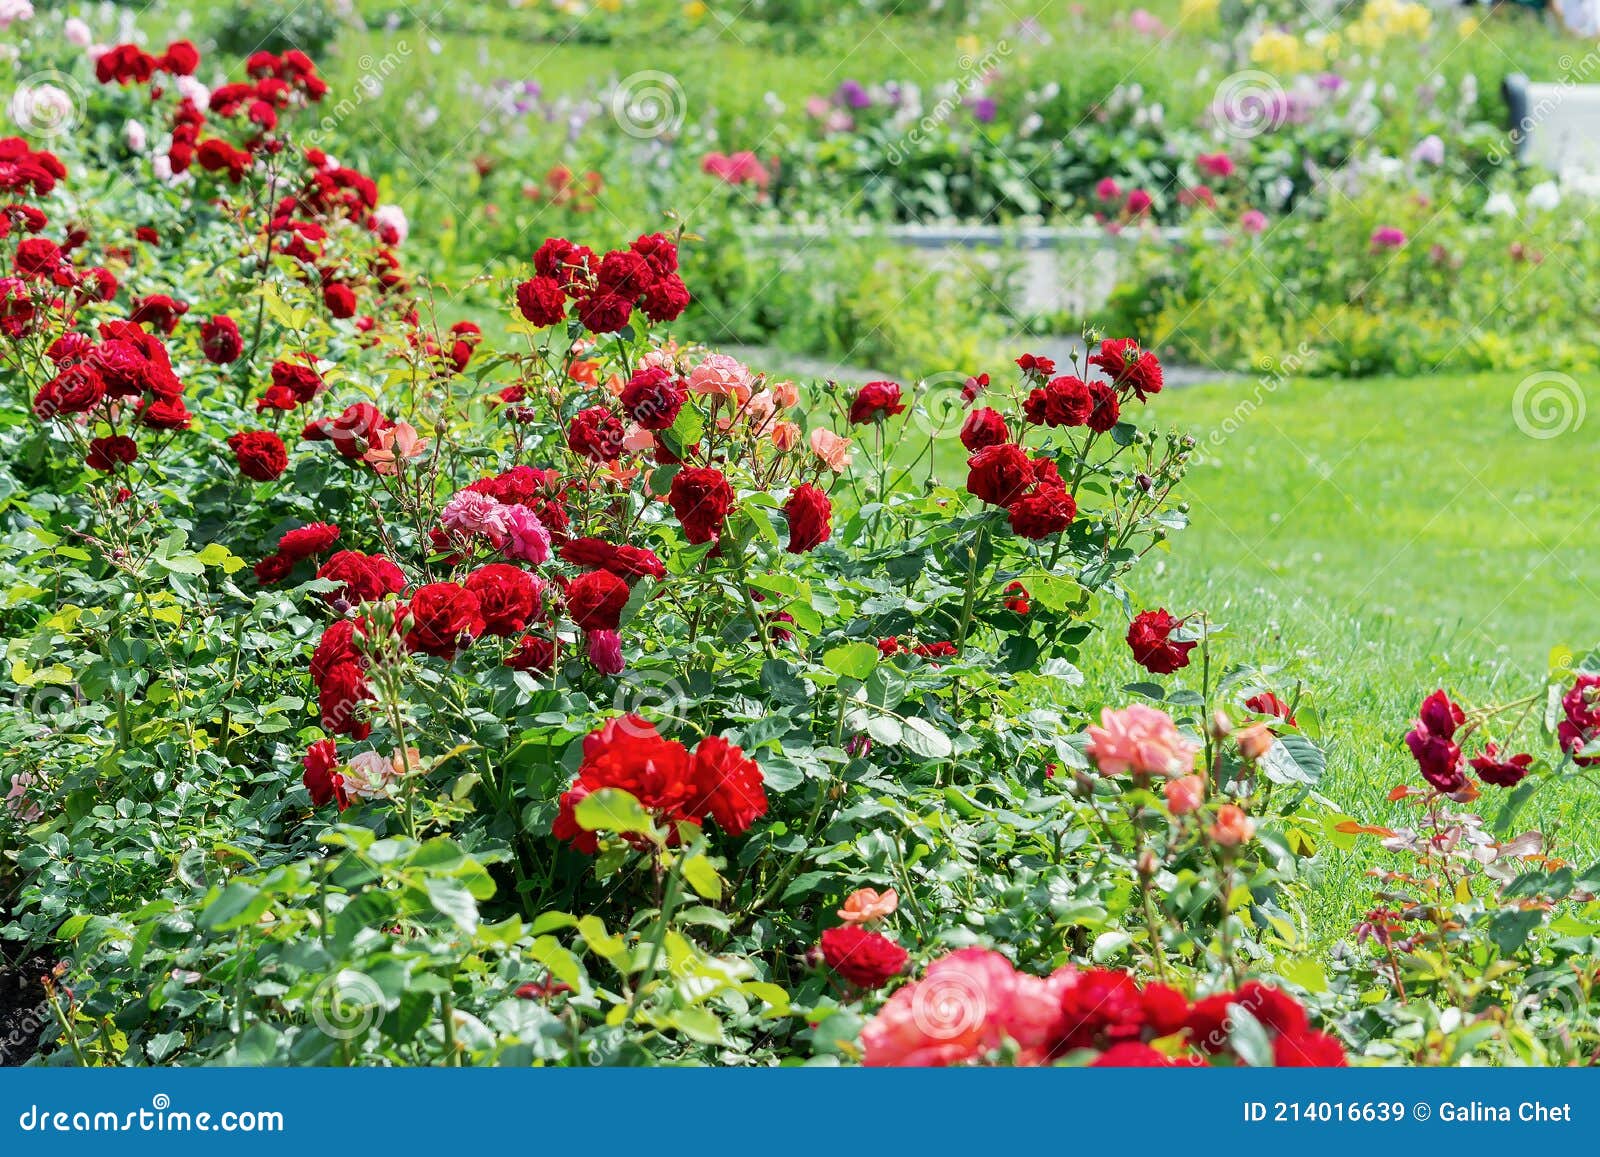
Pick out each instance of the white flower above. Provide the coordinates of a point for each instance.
(394, 217)
(13, 10)
(1544, 196)
(133, 133)
(195, 90)
(77, 33)
(43, 109)
(1500, 205)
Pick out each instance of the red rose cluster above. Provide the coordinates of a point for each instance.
(604, 291)
(301, 543)
(93, 379)
(261, 454)
(1580, 723)
(1432, 740)
(1150, 640)
(1030, 489)
(715, 781)
(971, 1002)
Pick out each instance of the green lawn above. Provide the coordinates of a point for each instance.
(1377, 539)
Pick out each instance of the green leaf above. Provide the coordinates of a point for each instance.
(922, 738)
(702, 877)
(611, 810)
(451, 898)
(852, 660)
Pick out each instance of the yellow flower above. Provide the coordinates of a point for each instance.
(1279, 52)
(694, 10)
(1199, 12)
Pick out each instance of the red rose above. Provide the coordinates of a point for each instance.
(75, 390)
(595, 434)
(324, 784)
(653, 397)
(352, 432)
(808, 511)
(443, 616)
(1150, 640)
(999, 474)
(701, 498)
(220, 340)
(1267, 703)
(1063, 402)
(541, 301)
(562, 261)
(866, 959)
(730, 787)
(1017, 600)
(37, 257)
(1438, 759)
(306, 541)
(273, 569)
(1047, 510)
(666, 299)
(181, 58)
(626, 562)
(1034, 366)
(1491, 768)
(532, 654)
(984, 427)
(508, 598)
(159, 311)
(165, 415)
(876, 401)
(107, 453)
(260, 453)
(364, 578)
(603, 312)
(625, 274)
(630, 755)
(595, 600)
(304, 381)
(1440, 716)
(660, 251)
(1127, 365)
(340, 299)
(340, 695)
(1308, 1049)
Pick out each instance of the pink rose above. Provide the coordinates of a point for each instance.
(1141, 740)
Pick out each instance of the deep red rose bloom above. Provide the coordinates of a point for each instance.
(1100, 1008)
(37, 257)
(532, 654)
(1438, 759)
(1127, 365)
(443, 617)
(876, 401)
(1150, 640)
(220, 340)
(352, 432)
(625, 273)
(1045, 511)
(321, 780)
(298, 377)
(306, 541)
(260, 453)
(1308, 1050)
(365, 578)
(999, 474)
(1491, 768)
(273, 569)
(595, 434)
(158, 311)
(626, 562)
(866, 959)
(1581, 703)
(729, 786)
(653, 397)
(1440, 716)
(603, 312)
(630, 755)
(1062, 402)
(984, 427)
(77, 389)
(808, 511)
(340, 299)
(181, 58)
(508, 598)
(165, 415)
(340, 694)
(1017, 602)
(660, 251)
(107, 453)
(563, 261)
(1035, 366)
(666, 299)
(595, 600)
(701, 498)
(541, 301)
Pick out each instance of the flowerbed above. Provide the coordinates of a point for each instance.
(384, 692)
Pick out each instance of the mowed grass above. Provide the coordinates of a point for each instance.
(1377, 539)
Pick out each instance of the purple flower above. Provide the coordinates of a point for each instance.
(852, 95)
(984, 109)
(1429, 151)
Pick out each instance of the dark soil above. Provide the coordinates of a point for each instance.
(23, 1011)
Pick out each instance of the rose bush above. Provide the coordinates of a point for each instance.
(389, 687)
